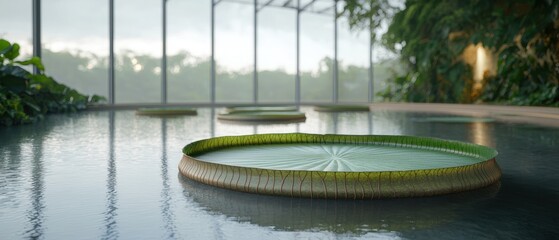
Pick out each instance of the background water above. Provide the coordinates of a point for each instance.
(108, 175)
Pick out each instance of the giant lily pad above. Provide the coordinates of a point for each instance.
(340, 166)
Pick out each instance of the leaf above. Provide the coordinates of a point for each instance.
(35, 61)
(14, 71)
(337, 160)
(5, 46)
(13, 83)
(13, 52)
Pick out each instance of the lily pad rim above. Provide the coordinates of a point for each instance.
(187, 150)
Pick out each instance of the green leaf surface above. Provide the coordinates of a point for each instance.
(4, 46)
(13, 52)
(329, 157)
(35, 61)
(13, 83)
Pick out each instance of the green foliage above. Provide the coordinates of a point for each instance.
(431, 35)
(523, 81)
(26, 97)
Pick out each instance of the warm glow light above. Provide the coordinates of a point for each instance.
(481, 64)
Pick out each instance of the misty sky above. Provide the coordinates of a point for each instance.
(82, 25)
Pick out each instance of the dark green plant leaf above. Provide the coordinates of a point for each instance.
(13, 83)
(13, 52)
(5, 47)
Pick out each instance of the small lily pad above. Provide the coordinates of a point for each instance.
(342, 108)
(261, 109)
(166, 111)
(262, 116)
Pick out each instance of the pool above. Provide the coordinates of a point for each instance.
(113, 174)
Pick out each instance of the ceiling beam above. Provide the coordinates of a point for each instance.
(325, 9)
(265, 5)
(306, 6)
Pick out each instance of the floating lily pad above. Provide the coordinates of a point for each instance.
(261, 109)
(454, 119)
(340, 166)
(166, 111)
(342, 108)
(262, 116)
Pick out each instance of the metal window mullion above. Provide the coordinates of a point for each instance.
(111, 54)
(298, 53)
(371, 76)
(335, 72)
(212, 64)
(255, 74)
(164, 54)
(36, 34)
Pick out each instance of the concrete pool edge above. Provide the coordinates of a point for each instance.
(544, 116)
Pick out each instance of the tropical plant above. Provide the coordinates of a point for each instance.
(431, 36)
(26, 97)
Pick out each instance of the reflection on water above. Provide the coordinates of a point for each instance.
(482, 133)
(35, 214)
(339, 216)
(212, 121)
(167, 214)
(111, 230)
(370, 122)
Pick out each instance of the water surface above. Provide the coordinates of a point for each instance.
(109, 175)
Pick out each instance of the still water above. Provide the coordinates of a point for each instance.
(114, 175)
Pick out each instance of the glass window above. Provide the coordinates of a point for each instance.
(276, 55)
(138, 49)
(234, 53)
(317, 54)
(188, 51)
(353, 63)
(17, 25)
(76, 44)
